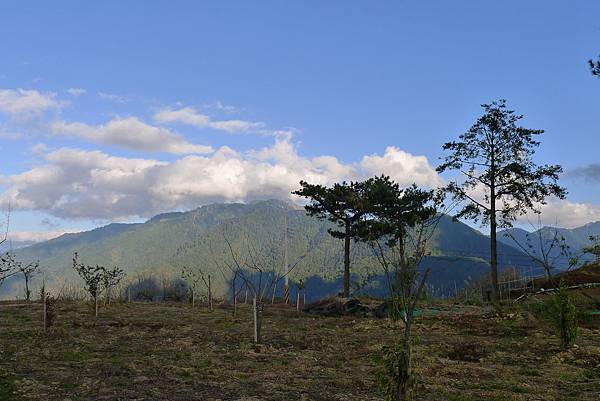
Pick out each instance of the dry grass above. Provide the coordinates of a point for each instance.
(171, 352)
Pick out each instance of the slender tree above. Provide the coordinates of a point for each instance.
(594, 247)
(29, 271)
(344, 204)
(8, 265)
(495, 159)
(399, 230)
(546, 247)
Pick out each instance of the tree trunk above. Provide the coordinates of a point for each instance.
(298, 302)
(493, 249)
(27, 292)
(405, 370)
(234, 302)
(257, 319)
(193, 297)
(96, 304)
(45, 309)
(347, 261)
(210, 300)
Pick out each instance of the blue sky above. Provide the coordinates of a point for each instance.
(116, 110)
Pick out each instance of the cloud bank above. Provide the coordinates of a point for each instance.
(75, 183)
(191, 116)
(132, 133)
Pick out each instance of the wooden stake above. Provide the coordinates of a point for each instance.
(210, 300)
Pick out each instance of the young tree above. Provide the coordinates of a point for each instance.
(8, 265)
(399, 231)
(192, 278)
(92, 276)
(594, 247)
(344, 204)
(29, 271)
(496, 156)
(97, 278)
(110, 279)
(257, 267)
(546, 247)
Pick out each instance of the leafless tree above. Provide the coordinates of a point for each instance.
(258, 269)
(8, 266)
(549, 250)
(29, 271)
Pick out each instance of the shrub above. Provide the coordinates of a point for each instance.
(394, 371)
(565, 317)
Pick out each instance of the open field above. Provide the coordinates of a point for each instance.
(158, 351)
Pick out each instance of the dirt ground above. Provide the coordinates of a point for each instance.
(143, 351)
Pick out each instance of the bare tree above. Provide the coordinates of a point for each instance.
(8, 264)
(29, 271)
(192, 278)
(257, 268)
(548, 248)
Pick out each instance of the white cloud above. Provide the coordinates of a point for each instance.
(23, 104)
(11, 135)
(130, 133)
(402, 167)
(75, 183)
(39, 149)
(76, 91)
(564, 213)
(35, 236)
(112, 97)
(191, 116)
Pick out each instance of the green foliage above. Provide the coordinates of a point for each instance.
(565, 317)
(394, 372)
(594, 247)
(595, 67)
(496, 153)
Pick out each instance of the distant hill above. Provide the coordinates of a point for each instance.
(169, 241)
(576, 239)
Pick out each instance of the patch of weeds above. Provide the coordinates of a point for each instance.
(467, 351)
(69, 385)
(183, 372)
(519, 390)
(74, 356)
(462, 398)
(7, 388)
(529, 371)
(181, 355)
(591, 374)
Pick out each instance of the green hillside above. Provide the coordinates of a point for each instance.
(167, 242)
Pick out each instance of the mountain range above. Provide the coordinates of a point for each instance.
(167, 242)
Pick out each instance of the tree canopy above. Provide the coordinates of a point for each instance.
(500, 179)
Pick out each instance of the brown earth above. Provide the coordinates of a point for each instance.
(143, 351)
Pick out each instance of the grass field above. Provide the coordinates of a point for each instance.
(170, 352)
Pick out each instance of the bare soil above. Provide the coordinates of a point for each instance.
(144, 351)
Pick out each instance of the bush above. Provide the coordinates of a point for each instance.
(565, 317)
(394, 371)
(562, 313)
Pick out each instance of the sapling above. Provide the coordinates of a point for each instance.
(29, 271)
(192, 278)
(400, 229)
